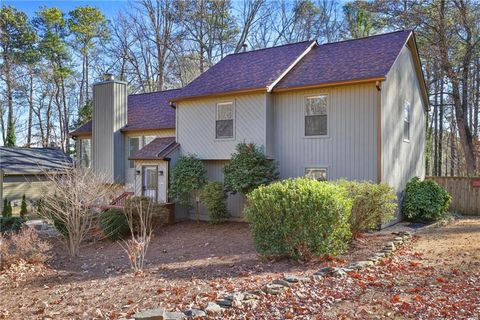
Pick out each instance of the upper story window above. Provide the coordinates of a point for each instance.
(85, 153)
(133, 147)
(224, 124)
(407, 114)
(316, 115)
(319, 174)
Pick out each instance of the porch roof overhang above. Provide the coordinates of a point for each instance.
(158, 149)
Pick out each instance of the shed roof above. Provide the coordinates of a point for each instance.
(146, 111)
(20, 161)
(157, 149)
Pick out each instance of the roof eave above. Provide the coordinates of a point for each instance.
(219, 94)
(331, 84)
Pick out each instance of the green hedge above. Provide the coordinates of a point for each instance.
(299, 218)
(425, 200)
(11, 224)
(373, 204)
(214, 198)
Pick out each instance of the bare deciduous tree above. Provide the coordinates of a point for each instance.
(70, 202)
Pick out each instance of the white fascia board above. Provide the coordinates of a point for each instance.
(284, 73)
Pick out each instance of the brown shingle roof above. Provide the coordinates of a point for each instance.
(357, 59)
(245, 70)
(145, 111)
(158, 149)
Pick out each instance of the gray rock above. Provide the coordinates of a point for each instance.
(294, 279)
(167, 315)
(151, 314)
(398, 243)
(213, 308)
(282, 283)
(326, 270)
(363, 264)
(236, 296)
(225, 303)
(195, 313)
(274, 289)
(250, 296)
(398, 239)
(339, 273)
(379, 254)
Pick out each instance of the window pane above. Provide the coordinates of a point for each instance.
(406, 111)
(316, 125)
(85, 152)
(224, 129)
(316, 106)
(225, 111)
(134, 146)
(406, 130)
(319, 174)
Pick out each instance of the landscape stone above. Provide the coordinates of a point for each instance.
(379, 254)
(339, 273)
(213, 308)
(293, 278)
(282, 282)
(224, 303)
(151, 314)
(167, 315)
(250, 296)
(274, 289)
(195, 313)
(236, 296)
(398, 239)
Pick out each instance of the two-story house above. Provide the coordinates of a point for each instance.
(353, 109)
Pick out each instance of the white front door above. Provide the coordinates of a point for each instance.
(150, 182)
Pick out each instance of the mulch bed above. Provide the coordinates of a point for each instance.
(189, 264)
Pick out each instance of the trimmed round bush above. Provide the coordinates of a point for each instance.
(373, 204)
(214, 198)
(299, 218)
(425, 200)
(114, 224)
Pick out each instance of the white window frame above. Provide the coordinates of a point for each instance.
(407, 120)
(305, 116)
(233, 121)
(316, 168)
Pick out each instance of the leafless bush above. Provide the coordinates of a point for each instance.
(23, 246)
(71, 201)
(139, 212)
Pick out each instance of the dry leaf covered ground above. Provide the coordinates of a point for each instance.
(189, 264)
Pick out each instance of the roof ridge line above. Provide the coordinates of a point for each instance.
(367, 37)
(152, 92)
(266, 48)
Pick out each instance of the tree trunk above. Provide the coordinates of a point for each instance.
(30, 106)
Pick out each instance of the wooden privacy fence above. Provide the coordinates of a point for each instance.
(465, 193)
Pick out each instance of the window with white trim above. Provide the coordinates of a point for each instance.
(224, 124)
(406, 120)
(319, 174)
(316, 116)
(133, 147)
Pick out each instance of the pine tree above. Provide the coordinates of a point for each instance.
(23, 208)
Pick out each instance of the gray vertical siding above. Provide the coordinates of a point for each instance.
(196, 125)
(402, 160)
(109, 116)
(350, 149)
